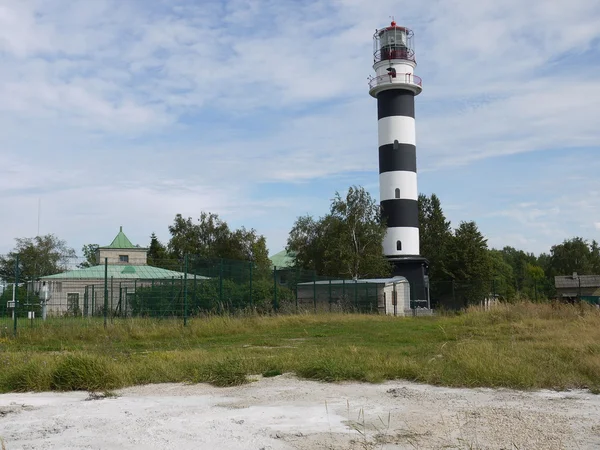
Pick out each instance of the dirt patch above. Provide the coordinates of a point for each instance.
(284, 412)
(13, 409)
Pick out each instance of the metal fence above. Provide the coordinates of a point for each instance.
(196, 287)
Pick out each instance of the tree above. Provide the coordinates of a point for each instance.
(89, 253)
(212, 238)
(347, 242)
(435, 236)
(470, 263)
(503, 274)
(39, 256)
(157, 255)
(573, 255)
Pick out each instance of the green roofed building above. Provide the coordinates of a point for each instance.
(81, 291)
(283, 259)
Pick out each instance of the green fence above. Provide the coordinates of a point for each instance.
(196, 287)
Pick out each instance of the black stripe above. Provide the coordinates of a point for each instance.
(400, 212)
(403, 157)
(395, 102)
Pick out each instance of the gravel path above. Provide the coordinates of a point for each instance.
(287, 413)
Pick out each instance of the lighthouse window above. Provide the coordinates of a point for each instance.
(397, 194)
(399, 245)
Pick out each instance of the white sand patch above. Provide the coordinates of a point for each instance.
(287, 413)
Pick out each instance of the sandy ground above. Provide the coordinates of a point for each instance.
(287, 413)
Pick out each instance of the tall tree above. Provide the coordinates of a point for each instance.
(573, 255)
(211, 237)
(39, 256)
(435, 235)
(158, 255)
(347, 242)
(469, 263)
(90, 254)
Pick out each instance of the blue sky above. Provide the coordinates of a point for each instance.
(129, 112)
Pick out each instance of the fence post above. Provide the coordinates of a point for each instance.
(112, 290)
(185, 292)
(195, 289)
(135, 302)
(251, 298)
(315, 291)
(105, 291)
(16, 296)
(330, 295)
(93, 301)
(173, 293)
(275, 297)
(297, 279)
(221, 283)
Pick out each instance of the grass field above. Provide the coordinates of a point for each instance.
(519, 346)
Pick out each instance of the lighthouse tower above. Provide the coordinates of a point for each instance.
(395, 86)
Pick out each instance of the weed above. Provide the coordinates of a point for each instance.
(271, 373)
(83, 373)
(522, 345)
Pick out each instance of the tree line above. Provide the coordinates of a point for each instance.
(346, 243)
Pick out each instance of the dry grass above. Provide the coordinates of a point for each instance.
(522, 346)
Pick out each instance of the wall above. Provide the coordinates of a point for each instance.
(137, 257)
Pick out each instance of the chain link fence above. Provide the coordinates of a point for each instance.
(195, 287)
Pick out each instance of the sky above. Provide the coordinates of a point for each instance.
(128, 112)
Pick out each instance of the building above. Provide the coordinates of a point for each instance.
(395, 86)
(282, 264)
(578, 287)
(390, 296)
(81, 291)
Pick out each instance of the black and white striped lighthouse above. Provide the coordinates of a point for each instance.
(395, 86)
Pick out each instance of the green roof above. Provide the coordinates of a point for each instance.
(121, 241)
(121, 271)
(283, 259)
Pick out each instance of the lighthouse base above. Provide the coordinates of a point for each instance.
(416, 270)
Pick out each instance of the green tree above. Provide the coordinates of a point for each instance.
(435, 236)
(503, 275)
(39, 256)
(90, 254)
(573, 255)
(347, 242)
(470, 264)
(159, 256)
(211, 237)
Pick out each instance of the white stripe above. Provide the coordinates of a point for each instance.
(399, 128)
(409, 238)
(403, 180)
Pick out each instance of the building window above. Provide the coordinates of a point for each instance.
(124, 258)
(397, 194)
(399, 245)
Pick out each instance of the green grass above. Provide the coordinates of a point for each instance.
(521, 346)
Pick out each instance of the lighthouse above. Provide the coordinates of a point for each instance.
(395, 87)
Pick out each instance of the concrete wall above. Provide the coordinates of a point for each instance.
(61, 303)
(137, 257)
(584, 291)
(365, 297)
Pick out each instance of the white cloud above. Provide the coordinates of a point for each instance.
(105, 101)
